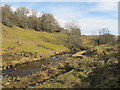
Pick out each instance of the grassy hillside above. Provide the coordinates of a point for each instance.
(25, 42)
(25, 45)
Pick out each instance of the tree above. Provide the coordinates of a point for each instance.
(22, 11)
(34, 21)
(22, 18)
(6, 15)
(49, 23)
(105, 37)
(74, 37)
(26, 18)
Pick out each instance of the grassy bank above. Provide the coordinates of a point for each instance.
(97, 70)
(25, 45)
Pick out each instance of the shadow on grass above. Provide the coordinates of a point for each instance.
(105, 77)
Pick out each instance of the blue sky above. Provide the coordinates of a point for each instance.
(91, 16)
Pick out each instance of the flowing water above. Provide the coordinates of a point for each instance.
(33, 67)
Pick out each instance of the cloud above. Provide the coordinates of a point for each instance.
(66, 12)
(92, 25)
(89, 23)
(105, 6)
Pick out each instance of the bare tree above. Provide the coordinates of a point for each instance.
(74, 37)
(104, 36)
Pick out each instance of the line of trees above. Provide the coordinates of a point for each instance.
(26, 18)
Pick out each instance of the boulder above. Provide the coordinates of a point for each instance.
(79, 54)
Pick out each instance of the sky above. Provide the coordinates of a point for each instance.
(91, 16)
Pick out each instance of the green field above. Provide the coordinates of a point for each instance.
(18, 41)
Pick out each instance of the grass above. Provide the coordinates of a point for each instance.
(62, 81)
(87, 41)
(17, 40)
(78, 73)
(92, 71)
(29, 39)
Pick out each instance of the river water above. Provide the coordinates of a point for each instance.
(33, 67)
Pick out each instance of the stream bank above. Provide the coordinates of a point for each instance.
(33, 67)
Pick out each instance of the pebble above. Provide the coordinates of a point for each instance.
(36, 84)
(43, 65)
(7, 83)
